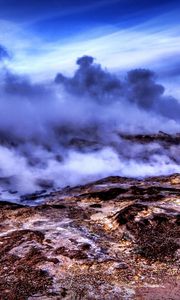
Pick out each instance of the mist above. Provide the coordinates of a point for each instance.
(72, 130)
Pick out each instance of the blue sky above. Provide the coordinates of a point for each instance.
(100, 10)
(47, 36)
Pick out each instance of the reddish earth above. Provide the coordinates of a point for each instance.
(115, 238)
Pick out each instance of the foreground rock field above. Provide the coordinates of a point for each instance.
(116, 238)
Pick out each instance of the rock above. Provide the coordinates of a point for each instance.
(116, 238)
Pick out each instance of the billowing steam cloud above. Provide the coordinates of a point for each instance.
(139, 87)
(71, 130)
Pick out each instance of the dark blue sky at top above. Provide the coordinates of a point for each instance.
(56, 18)
(53, 33)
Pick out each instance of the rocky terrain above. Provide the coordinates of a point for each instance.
(116, 238)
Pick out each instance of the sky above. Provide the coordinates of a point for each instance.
(44, 37)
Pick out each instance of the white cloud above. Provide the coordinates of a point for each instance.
(139, 46)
